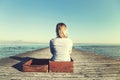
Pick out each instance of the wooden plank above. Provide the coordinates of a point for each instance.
(87, 66)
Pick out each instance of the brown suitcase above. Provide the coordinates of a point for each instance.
(36, 65)
(61, 66)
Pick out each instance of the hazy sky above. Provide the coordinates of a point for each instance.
(88, 21)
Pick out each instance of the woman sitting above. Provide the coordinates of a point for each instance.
(61, 46)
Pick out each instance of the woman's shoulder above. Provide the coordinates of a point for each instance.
(68, 39)
(53, 40)
(61, 39)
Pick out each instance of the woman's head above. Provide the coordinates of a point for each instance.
(61, 30)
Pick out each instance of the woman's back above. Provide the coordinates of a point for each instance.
(61, 49)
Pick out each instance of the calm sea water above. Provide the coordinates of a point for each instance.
(7, 50)
(109, 50)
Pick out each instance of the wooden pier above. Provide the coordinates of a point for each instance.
(87, 66)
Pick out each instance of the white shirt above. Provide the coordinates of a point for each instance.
(61, 49)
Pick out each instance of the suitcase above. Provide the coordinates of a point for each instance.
(61, 66)
(36, 65)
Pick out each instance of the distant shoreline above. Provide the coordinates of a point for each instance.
(22, 43)
(29, 42)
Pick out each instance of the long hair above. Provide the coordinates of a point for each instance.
(61, 30)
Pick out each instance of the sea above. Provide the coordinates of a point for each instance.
(109, 50)
(7, 50)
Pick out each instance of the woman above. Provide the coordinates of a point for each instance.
(61, 46)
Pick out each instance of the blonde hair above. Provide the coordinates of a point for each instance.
(61, 30)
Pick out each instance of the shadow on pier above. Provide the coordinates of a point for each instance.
(23, 60)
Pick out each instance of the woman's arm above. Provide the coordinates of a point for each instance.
(51, 47)
(70, 48)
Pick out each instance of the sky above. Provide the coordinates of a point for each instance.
(88, 21)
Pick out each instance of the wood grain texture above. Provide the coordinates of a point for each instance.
(87, 66)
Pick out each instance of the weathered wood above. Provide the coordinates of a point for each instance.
(87, 66)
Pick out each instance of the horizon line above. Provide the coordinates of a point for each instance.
(32, 42)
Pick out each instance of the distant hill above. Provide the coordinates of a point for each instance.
(19, 42)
